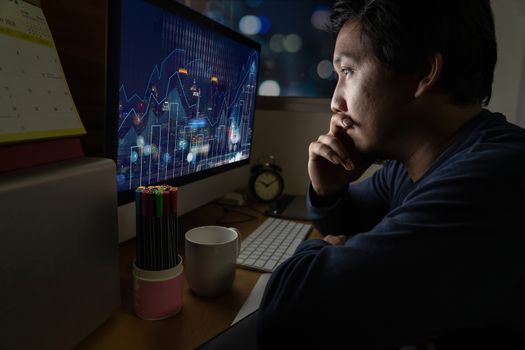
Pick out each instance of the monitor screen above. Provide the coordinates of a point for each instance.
(181, 94)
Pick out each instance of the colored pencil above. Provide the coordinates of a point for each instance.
(156, 222)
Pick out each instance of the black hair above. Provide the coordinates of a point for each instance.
(404, 33)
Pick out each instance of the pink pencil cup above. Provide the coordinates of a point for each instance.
(157, 294)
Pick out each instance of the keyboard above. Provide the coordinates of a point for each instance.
(274, 241)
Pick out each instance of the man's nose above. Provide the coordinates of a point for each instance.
(338, 103)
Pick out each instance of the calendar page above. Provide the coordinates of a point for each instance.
(35, 101)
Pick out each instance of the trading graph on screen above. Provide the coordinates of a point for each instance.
(186, 97)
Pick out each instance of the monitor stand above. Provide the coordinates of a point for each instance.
(289, 207)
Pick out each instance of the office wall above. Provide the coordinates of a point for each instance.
(286, 135)
(521, 98)
(509, 78)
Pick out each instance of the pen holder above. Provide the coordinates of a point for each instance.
(157, 294)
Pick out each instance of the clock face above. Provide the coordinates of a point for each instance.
(268, 186)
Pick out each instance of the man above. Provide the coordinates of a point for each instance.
(430, 250)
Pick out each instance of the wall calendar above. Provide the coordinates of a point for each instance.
(35, 101)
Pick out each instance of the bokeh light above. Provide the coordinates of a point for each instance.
(292, 43)
(154, 148)
(147, 150)
(294, 40)
(266, 25)
(321, 18)
(269, 88)
(250, 25)
(325, 69)
(134, 157)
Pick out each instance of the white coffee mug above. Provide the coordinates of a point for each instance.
(210, 257)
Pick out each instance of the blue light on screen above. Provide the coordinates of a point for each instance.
(186, 97)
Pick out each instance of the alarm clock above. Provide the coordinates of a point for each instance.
(266, 182)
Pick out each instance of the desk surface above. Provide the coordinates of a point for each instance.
(200, 318)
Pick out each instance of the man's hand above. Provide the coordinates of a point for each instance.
(333, 160)
(335, 240)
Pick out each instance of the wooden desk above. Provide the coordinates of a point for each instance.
(200, 318)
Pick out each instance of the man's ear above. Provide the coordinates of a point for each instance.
(430, 75)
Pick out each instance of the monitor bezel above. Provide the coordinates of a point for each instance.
(113, 83)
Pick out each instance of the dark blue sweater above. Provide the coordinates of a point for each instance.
(442, 259)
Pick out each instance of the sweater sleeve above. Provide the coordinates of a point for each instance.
(360, 207)
(448, 258)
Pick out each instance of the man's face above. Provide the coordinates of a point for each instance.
(373, 98)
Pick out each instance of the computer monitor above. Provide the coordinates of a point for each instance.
(181, 94)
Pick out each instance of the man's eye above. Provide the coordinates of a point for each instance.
(347, 71)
